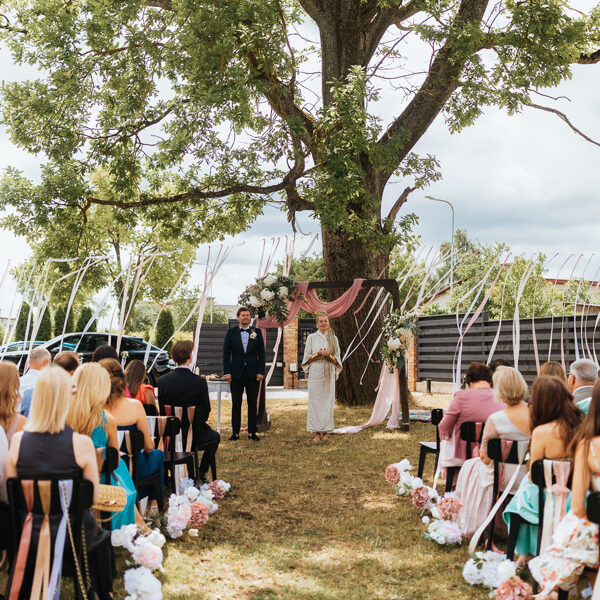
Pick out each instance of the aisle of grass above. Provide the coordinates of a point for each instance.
(310, 522)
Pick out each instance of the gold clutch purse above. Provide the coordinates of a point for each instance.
(111, 498)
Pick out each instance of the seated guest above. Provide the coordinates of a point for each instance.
(104, 351)
(129, 414)
(86, 416)
(135, 376)
(69, 361)
(554, 420)
(554, 369)
(575, 541)
(583, 374)
(498, 362)
(39, 359)
(10, 420)
(181, 387)
(475, 482)
(476, 403)
(49, 448)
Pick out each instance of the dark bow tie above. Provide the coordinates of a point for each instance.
(246, 329)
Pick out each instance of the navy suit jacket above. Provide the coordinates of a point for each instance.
(235, 359)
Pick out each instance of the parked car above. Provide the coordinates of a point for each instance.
(85, 344)
(17, 346)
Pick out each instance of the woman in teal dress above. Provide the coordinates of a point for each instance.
(86, 415)
(554, 419)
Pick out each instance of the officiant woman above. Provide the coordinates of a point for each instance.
(322, 364)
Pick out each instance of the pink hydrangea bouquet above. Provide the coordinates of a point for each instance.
(393, 471)
(445, 533)
(449, 506)
(423, 497)
(514, 589)
(219, 488)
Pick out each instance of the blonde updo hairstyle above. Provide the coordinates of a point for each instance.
(92, 385)
(509, 386)
(117, 379)
(331, 339)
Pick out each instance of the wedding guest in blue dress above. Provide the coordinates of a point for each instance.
(554, 419)
(129, 414)
(86, 416)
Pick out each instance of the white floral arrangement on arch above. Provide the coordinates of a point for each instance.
(269, 296)
(398, 332)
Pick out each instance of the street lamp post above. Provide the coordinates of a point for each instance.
(451, 239)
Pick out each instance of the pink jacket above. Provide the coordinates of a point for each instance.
(467, 405)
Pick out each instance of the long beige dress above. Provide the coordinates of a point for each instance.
(321, 383)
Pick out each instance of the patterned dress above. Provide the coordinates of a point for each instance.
(574, 547)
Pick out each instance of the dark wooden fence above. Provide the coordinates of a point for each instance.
(438, 337)
(210, 350)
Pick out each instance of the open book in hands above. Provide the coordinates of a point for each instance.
(319, 356)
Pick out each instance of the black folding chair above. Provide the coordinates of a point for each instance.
(426, 448)
(173, 457)
(81, 501)
(131, 446)
(494, 451)
(151, 410)
(187, 416)
(471, 432)
(538, 478)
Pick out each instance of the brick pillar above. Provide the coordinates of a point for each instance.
(411, 367)
(290, 353)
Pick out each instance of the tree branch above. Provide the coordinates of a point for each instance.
(440, 83)
(564, 117)
(313, 8)
(398, 204)
(589, 59)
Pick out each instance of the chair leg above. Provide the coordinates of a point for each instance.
(563, 594)
(213, 465)
(173, 483)
(450, 474)
(513, 532)
(422, 458)
(490, 539)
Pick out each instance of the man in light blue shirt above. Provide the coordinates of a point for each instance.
(583, 374)
(39, 358)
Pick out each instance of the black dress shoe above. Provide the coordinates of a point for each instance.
(234, 437)
(254, 437)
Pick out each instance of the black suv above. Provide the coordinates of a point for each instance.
(85, 344)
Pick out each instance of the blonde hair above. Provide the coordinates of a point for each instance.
(509, 385)
(9, 392)
(50, 402)
(331, 340)
(92, 389)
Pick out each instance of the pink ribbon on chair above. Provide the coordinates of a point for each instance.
(556, 501)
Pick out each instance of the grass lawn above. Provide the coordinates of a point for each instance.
(315, 521)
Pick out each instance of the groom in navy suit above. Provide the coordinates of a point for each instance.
(244, 368)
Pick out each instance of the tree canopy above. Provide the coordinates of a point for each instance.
(202, 112)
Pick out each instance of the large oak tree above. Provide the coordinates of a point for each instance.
(232, 105)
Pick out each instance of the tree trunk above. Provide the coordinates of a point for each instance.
(346, 260)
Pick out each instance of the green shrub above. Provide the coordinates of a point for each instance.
(164, 329)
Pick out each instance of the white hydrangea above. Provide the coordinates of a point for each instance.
(482, 568)
(283, 292)
(506, 570)
(393, 343)
(192, 493)
(255, 302)
(267, 295)
(141, 584)
(269, 280)
(123, 537)
(157, 538)
(174, 533)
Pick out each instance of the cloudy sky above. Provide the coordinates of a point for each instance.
(526, 180)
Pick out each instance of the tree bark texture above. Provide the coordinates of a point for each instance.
(347, 260)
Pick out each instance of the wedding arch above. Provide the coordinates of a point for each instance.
(306, 298)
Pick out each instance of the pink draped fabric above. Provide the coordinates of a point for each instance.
(308, 300)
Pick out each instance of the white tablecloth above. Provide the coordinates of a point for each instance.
(219, 388)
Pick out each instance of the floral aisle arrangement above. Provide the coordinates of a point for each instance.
(493, 570)
(189, 509)
(269, 295)
(439, 513)
(398, 332)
